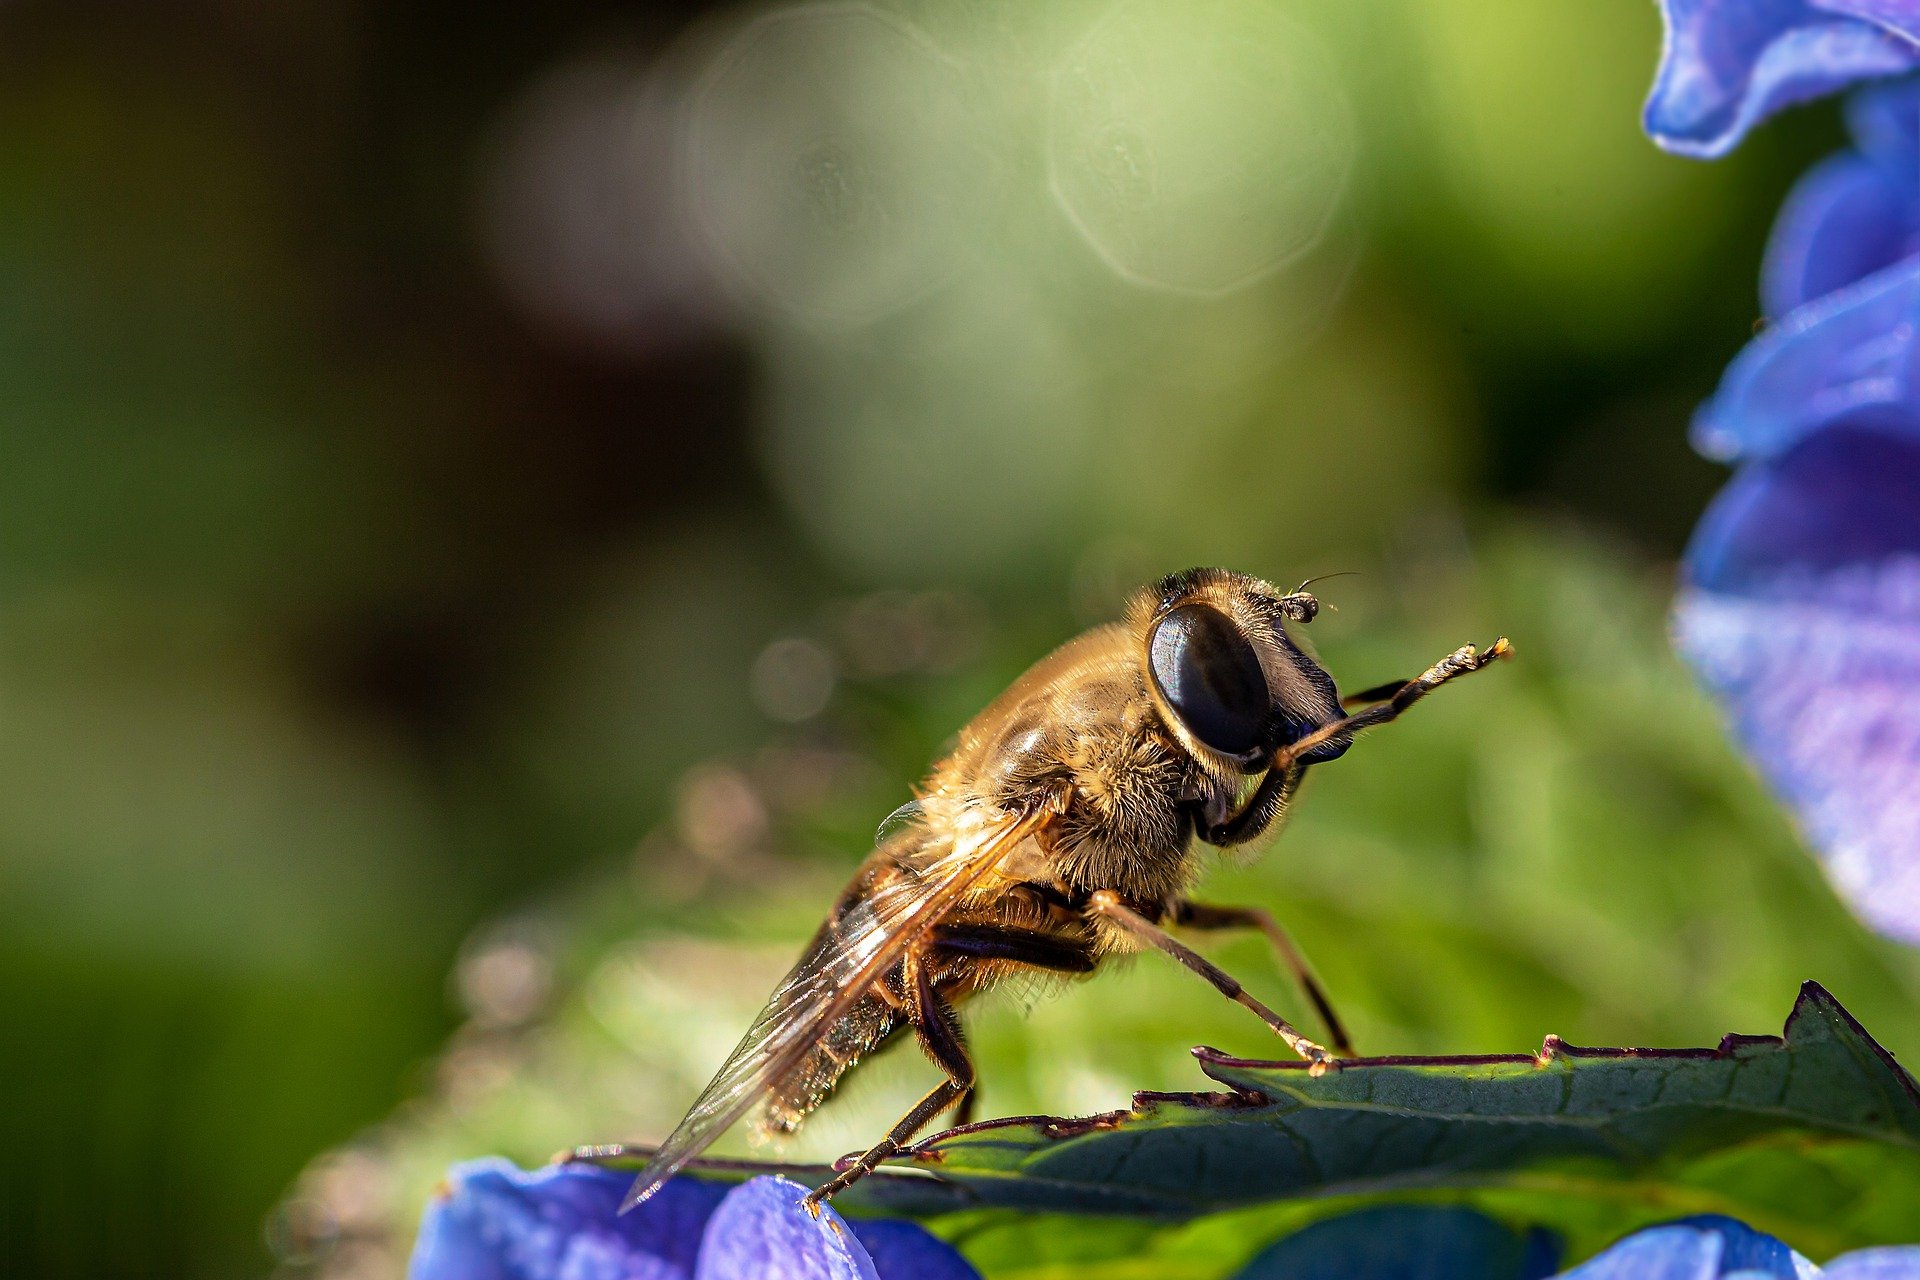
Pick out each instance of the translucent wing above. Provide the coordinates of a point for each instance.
(850, 955)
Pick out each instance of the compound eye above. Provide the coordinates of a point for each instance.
(1211, 677)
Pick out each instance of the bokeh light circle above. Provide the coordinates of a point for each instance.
(828, 163)
(1199, 145)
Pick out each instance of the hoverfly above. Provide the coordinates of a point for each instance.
(1059, 832)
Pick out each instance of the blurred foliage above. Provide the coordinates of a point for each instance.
(1521, 856)
(402, 488)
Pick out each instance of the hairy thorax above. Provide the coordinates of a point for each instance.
(1124, 828)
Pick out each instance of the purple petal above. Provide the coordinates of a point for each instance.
(761, 1232)
(1703, 1248)
(495, 1222)
(1801, 613)
(1848, 352)
(906, 1251)
(1901, 1263)
(1727, 64)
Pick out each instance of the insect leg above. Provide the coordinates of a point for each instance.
(1107, 905)
(938, 1029)
(1032, 947)
(1379, 693)
(1283, 774)
(1199, 915)
(1462, 661)
(1262, 808)
(939, 1032)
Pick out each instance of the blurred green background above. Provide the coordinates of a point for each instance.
(485, 488)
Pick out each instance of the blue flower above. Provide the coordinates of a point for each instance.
(1393, 1242)
(1728, 64)
(1801, 610)
(1709, 1247)
(495, 1222)
(1856, 214)
(1702, 1248)
(1841, 285)
(1800, 599)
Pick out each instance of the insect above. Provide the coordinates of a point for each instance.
(1061, 831)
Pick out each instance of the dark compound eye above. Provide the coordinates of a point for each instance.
(1210, 676)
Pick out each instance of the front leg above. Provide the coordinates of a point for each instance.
(1107, 905)
(1389, 702)
(1267, 805)
(1461, 662)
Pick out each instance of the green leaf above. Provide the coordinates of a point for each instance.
(1813, 1136)
(1390, 1123)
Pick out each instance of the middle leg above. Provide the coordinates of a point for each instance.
(1200, 915)
(1107, 905)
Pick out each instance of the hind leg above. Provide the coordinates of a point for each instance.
(1032, 947)
(938, 1030)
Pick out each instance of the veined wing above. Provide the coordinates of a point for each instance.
(841, 966)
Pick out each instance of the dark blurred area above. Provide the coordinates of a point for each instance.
(422, 426)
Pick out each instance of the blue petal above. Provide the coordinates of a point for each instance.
(1901, 1263)
(1727, 64)
(1842, 221)
(494, 1222)
(1901, 17)
(1662, 1253)
(1801, 613)
(1407, 1242)
(905, 1251)
(1840, 278)
(1850, 351)
(1856, 214)
(761, 1232)
(1884, 120)
(1800, 529)
(1705, 1248)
